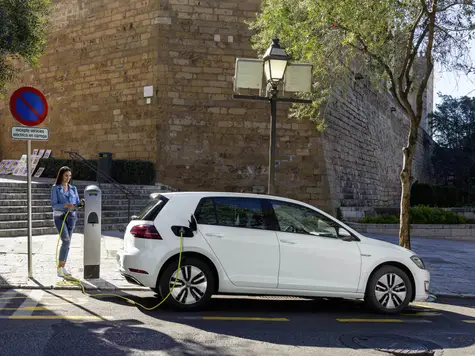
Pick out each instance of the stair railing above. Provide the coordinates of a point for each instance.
(128, 193)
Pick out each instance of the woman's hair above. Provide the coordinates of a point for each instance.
(59, 177)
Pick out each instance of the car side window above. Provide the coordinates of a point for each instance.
(231, 212)
(299, 219)
(206, 213)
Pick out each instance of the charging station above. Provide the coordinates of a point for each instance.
(92, 231)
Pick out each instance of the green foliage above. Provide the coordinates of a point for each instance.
(23, 34)
(123, 171)
(420, 215)
(441, 196)
(453, 123)
(383, 219)
(379, 39)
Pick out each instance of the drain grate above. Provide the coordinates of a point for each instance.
(396, 345)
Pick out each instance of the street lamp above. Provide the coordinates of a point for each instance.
(275, 63)
(275, 66)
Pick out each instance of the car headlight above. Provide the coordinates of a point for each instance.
(417, 260)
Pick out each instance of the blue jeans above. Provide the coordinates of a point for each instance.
(67, 233)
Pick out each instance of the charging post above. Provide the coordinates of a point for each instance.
(92, 231)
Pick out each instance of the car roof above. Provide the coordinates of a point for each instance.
(205, 194)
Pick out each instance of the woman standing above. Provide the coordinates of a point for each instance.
(64, 198)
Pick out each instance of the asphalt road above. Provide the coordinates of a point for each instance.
(36, 322)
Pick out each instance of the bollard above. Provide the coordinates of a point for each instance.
(92, 231)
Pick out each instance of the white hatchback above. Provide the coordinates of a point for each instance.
(235, 243)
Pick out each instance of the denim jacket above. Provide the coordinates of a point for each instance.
(59, 197)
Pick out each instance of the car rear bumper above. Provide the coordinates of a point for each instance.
(128, 264)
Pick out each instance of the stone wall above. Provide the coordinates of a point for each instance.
(363, 145)
(205, 139)
(102, 54)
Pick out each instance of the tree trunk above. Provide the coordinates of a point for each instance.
(406, 183)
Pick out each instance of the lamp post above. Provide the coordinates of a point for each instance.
(275, 64)
(274, 67)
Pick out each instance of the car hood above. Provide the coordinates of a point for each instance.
(370, 242)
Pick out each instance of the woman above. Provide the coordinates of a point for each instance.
(64, 197)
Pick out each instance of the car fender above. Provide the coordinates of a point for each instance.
(201, 251)
(371, 263)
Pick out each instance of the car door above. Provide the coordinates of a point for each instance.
(238, 233)
(313, 255)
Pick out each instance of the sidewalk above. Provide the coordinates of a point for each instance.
(451, 263)
(14, 263)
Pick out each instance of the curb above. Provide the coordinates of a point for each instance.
(455, 296)
(54, 287)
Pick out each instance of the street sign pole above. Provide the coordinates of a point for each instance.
(29, 107)
(29, 203)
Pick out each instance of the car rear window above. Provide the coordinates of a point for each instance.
(153, 208)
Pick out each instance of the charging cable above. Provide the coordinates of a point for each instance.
(78, 282)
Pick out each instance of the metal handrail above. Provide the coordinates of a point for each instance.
(76, 156)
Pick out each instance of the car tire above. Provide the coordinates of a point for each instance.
(195, 280)
(389, 290)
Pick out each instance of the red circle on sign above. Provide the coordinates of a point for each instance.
(17, 95)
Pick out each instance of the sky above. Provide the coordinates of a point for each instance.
(455, 84)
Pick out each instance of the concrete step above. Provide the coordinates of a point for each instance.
(48, 215)
(23, 224)
(47, 195)
(82, 186)
(53, 231)
(105, 202)
(23, 209)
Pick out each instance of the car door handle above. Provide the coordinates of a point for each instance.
(288, 242)
(214, 235)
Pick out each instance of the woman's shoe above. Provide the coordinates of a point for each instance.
(63, 272)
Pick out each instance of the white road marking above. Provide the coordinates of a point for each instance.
(31, 301)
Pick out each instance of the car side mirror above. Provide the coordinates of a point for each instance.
(345, 234)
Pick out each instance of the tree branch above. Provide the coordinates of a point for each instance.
(412, 57)
(409, 47)
(430, 62)
(378, 59)
(449, 6)
(424, 7)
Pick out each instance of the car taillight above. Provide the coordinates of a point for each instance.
(145, 232)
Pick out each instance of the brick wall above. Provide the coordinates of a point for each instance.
(102, 53)
(100, 56)
(363, 148)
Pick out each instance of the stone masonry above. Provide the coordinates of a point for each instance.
(102, 54)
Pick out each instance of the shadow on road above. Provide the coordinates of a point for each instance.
(313, 323)
(23, 334)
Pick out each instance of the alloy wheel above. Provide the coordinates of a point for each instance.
(190, 286)
(390, 291)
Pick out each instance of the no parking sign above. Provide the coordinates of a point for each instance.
(29, 107)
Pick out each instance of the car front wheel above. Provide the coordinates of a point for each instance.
(191, 287)
(389, 290)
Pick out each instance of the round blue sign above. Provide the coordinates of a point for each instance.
(29, 106)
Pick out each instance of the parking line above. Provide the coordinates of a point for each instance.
(422, 314)
(472, 321)
(57, 317)
(35, 297)
(4, 301)
(356, 320)
(237, 318)
(27, 308)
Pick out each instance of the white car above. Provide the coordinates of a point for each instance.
(235, 243)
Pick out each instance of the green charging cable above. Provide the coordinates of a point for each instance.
(78, 282)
